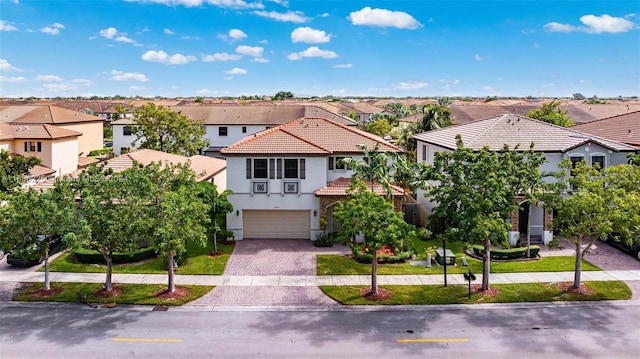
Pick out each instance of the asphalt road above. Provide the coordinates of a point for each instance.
(593, 330)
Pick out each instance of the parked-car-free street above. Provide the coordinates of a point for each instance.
(577, 330)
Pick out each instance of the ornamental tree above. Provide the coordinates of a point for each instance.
(550, 112)
(368, 214)
(475, 192)
(159, 128)
(13, 169)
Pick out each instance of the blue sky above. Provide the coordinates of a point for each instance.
(396, 48)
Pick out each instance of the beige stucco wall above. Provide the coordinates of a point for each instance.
(64, 156)
(220, 180)
(44, 155)
(92, 135)
(6, 145)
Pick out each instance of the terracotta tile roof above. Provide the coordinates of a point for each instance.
(6, 131)
(308, 136)
(204, 167)
(38, 131)
(43, 114)
(86, 161)
(40, 171)
(623, 128)
(515, 130)
(340, 186)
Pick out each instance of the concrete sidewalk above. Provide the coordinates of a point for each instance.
(314, 281)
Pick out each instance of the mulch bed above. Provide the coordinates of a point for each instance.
(491, 292)
(382, 294)
(179, 293)
(41, 293)
(211, 254)
(569, 288)
(115, 291)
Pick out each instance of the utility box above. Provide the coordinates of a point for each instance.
(441, 256)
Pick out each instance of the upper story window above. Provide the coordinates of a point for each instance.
(126, 131)
(289, 168)
(223, 131)
(598, 160)
(335, 164)
(33, 146)
(244, 129)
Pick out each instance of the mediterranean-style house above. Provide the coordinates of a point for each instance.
(228, 124)
(556, 143)
(286, 178)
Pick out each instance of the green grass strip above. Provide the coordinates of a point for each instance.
(141, 294)
(458, 294)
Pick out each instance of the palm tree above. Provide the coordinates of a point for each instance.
(373, 168)
(434, 117)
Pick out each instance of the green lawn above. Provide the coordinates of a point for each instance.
(330, 264)
(458, 294)
(132, 294)
(198, 262)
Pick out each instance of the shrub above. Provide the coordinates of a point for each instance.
(424, 234)
(511, 253)
(323, 240)
(93, 257)
(363, 255)
(100, 152)
(225, 235)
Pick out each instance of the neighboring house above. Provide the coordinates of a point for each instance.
(206, 168)
(555, 142)
(89, 126)
(622, 128)
(228, 124)
(286, 178)
(56, 147)
(364, 110)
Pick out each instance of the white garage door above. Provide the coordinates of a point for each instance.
(276, 224)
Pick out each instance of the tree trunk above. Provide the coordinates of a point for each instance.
(107, 284)
(215, 242)
(374, 273)
(486, 260)
(576, 277)
(529, 231)
(172, 286)
(47, 281)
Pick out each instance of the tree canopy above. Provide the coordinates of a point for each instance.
(550, 112)
(13, 169)
(159, 128)
(283, 95)
(476, 190)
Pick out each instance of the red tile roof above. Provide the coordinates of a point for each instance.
(623, 128)
(340, 186)
(308, 136)
(43, 114)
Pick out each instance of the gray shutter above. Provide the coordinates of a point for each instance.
(302, 169)
(330, 163)
(279, 162)
(272, 168)
(248, 168)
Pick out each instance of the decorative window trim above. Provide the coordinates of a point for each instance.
(290, 187)
(259, 187)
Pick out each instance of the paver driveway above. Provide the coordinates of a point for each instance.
(286, 257)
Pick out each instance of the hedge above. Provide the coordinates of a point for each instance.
(93, 257)
(367, 257)
(511, 253)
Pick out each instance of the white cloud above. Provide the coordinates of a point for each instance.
(83, 82)
(549, 85)
(290, 16)
(338, 92)
(310, 36)
(168, 32)
(53, 29)
(260, 59)
(237, 34)
(6, 66)
(255, 51)
(125, 39)
(478, 57)
(15, 79)
(342, 66)
(383, 18)
(221, 56)
(487, 88)
(49, 78)
(203, 91)
(410, 86)
(117, 75)
(164, 58)
(236, 71)
(5, 26)
(57, 87)
(312, 51)
(231, 4)
(594, 25)
(109, 33)
(137, 88)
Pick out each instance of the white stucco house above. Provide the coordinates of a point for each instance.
(228, 124)
(286, 178)
(555, 142)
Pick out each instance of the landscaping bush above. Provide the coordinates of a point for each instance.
(93, 257)
(511, 253)
(100, 152)
(364, 255)
(323, 240)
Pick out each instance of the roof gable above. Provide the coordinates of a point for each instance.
(308, 135)
(515, 131)
(41, 114)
